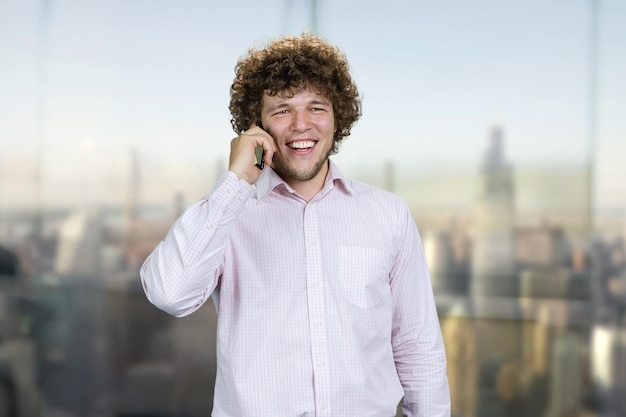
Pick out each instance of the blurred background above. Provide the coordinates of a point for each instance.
(500, 123)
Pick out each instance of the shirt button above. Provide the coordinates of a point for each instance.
(229, 190)
(240, 197)
(323, 406)
(209, 226)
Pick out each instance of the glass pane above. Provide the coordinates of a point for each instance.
(500, 123)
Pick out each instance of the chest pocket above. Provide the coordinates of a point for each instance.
(363, 275)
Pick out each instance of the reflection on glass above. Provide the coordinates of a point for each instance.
(101, 152)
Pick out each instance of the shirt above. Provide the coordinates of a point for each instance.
(325, 308)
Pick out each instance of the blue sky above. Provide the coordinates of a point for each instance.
(435, 76)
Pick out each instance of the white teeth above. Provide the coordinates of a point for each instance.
(301, 144)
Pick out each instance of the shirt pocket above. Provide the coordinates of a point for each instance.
(363, 275)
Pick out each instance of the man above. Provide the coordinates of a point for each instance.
(324, 302)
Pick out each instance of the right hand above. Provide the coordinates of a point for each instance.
(242, 153)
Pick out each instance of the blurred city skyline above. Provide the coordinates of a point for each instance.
(86, 83)
(489, 118)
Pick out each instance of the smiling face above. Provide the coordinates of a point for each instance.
(302, 126)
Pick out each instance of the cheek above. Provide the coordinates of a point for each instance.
(273, 132)
(331, 128)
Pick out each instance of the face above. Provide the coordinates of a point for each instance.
(302, 127)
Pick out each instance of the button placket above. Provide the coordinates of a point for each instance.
(317, 312)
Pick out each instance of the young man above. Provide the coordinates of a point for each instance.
(324, 302)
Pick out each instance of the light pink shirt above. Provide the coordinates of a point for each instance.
(324, 308)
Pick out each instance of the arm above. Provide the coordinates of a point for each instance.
(417, 342)
(183, 270)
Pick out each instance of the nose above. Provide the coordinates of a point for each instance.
(300, 121)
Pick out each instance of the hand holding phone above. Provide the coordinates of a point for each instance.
(250, 152)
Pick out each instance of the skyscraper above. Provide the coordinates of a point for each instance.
(493, 264)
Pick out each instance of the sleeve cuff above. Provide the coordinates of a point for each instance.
(230, 193)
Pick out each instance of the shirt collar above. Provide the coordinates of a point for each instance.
(270, 181)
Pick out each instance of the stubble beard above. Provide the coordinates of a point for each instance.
(288, 172)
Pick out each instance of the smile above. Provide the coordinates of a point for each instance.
(301, 144)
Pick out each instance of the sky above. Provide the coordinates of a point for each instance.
(83, 83)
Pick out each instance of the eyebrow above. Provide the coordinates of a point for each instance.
(284, 104)
(275, 107)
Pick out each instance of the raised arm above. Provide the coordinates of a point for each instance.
(184, 269)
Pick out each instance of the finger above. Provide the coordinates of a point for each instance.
(269, 148)
(254, 132)
(262, 138)
(264, 153)
(255, 128)
(269, 154)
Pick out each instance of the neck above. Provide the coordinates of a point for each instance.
(309, 189)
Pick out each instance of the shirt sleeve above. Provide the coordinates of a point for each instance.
(417, 342)
(184, 269)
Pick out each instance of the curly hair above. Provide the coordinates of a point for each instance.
(287, 65)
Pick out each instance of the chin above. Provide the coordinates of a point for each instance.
(290, 171)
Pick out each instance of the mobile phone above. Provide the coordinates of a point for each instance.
(259, 155)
